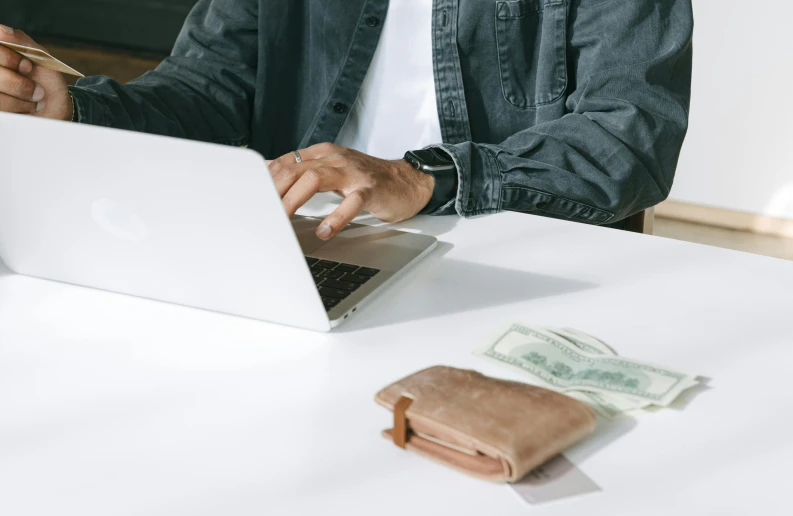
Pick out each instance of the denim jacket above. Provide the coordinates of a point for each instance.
(574, 109)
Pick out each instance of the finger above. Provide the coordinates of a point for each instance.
(334, 223)
(25, 67)
(18, 36)
(13, 61)
(313, 181)
(15, 85)
(314, 152)
(290, 159)
(286, 178)
(320, 150)
(278, 163)
(10, 104)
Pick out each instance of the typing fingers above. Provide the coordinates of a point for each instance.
(315, 152)
(349, 208)
(309, 183)
(278, 163)
(288, 175)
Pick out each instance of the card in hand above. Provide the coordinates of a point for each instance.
(41, 58)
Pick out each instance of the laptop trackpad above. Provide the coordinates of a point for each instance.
(378, 247)
(305, 229)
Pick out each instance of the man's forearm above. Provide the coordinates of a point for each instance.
(616, 152)
(204, 91)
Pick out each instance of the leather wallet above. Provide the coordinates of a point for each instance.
(492, 429)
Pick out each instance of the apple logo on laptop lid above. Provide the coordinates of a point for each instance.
(119, 220)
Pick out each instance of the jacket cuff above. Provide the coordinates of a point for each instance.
(89, 109)
(479, 179)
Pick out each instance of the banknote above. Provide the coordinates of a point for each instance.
(604, 405)
(41, 58)
(556, 362)
(583, 340)
(608, 406)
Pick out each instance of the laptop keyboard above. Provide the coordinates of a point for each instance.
(335, 281)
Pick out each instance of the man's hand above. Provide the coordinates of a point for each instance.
(392, 191)
(29, 89)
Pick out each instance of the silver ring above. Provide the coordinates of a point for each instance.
(297, 157)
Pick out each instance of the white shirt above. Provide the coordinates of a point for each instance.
(396, 110)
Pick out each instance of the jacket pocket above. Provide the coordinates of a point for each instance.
(531, 37)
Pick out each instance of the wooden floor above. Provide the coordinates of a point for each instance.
(719, 237)
(124, 67)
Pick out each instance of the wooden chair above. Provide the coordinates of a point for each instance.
(641, 222)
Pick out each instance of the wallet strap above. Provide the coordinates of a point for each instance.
(401, 422)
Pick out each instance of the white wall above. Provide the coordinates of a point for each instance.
(739, 150)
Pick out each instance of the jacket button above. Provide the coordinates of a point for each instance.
(339, 108)
(372, 21)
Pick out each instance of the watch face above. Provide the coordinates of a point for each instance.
(429, 162)
(411, 158)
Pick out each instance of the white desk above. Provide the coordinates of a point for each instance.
(111, 405)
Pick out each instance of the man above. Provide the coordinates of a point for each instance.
(568, 108)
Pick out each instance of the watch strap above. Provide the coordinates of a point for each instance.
(438, 164)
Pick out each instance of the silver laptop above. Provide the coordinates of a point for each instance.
(184, 222)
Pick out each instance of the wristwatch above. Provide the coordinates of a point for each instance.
(439, 165)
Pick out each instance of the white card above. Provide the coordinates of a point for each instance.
(41, 58)
(555, 480)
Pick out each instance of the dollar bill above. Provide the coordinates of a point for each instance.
(608, 406)
(556, 361)
(583, 341)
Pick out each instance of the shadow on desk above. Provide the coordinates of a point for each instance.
(441, 286)
(4, 270)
